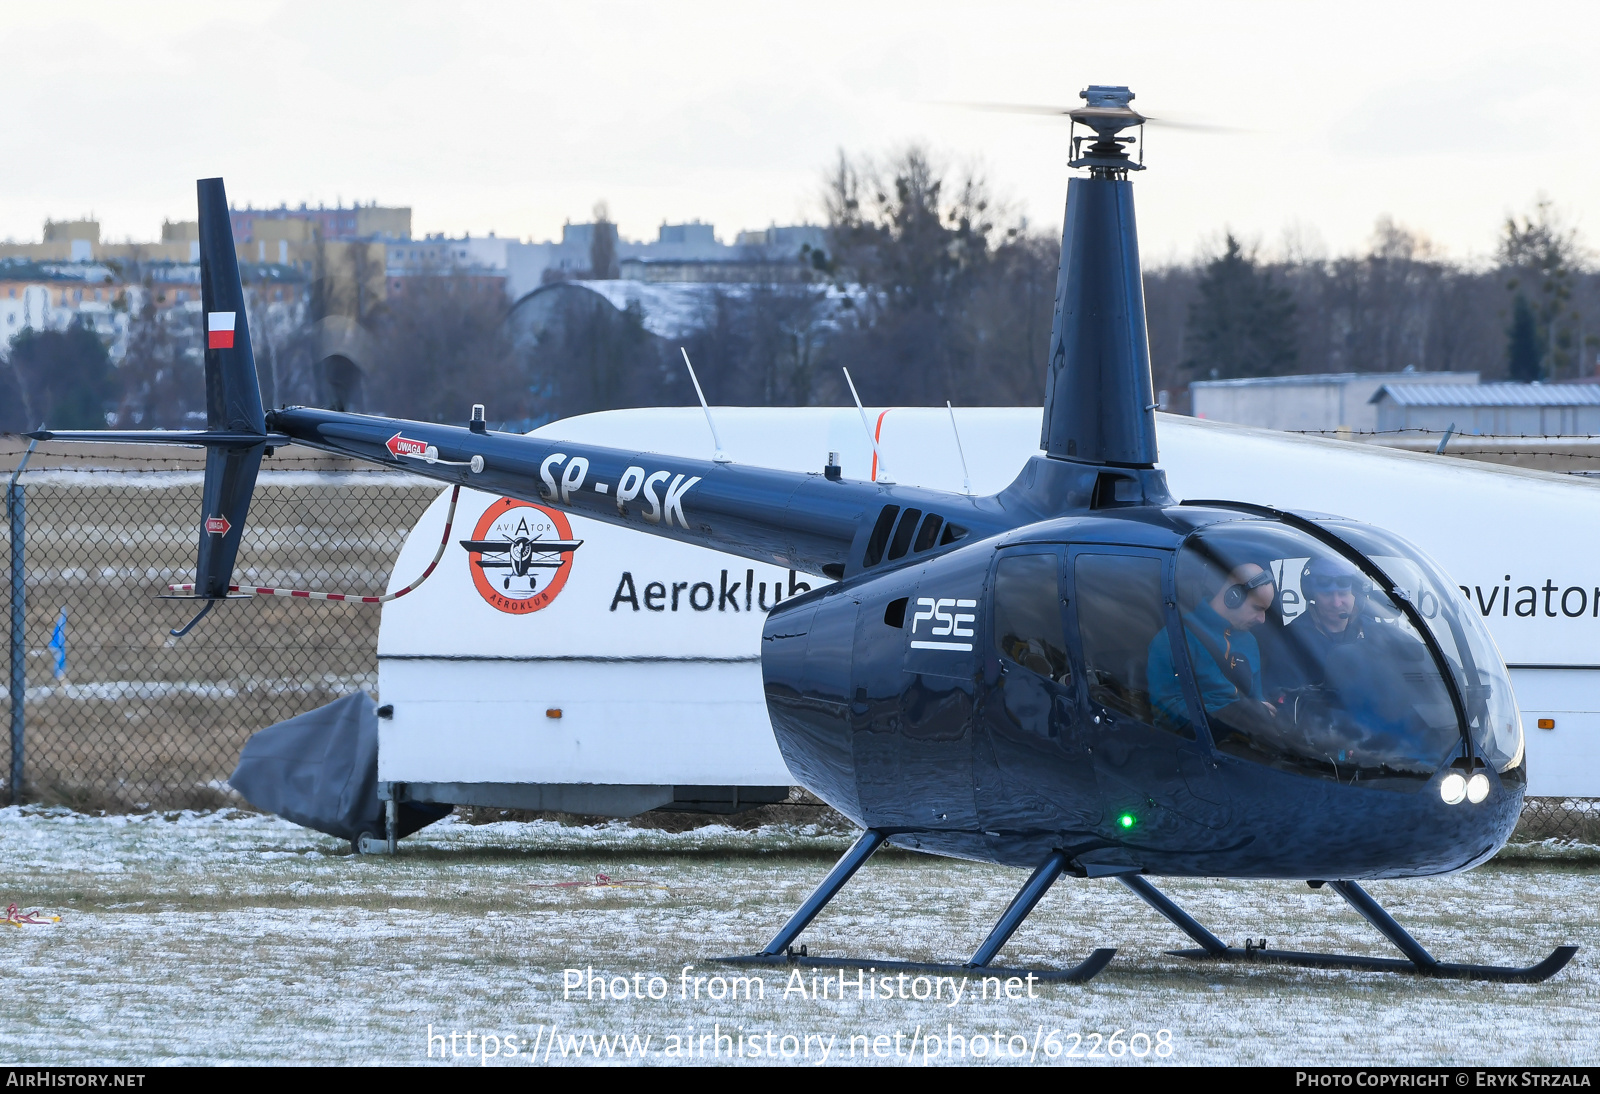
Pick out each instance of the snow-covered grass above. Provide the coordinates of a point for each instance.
(221, 937)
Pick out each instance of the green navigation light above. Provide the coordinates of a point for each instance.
(1126, 820)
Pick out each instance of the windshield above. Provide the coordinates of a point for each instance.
(1302, 663)
(1492, 715)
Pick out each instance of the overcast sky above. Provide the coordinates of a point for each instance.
(518, 117)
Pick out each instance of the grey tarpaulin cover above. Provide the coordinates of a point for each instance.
(320, 769)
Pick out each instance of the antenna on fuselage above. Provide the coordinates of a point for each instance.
(966, 479)
(882, 472)
(719, 456)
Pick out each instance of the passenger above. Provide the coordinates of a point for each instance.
(1226, 659)
(1354, 672)
(1297, 657)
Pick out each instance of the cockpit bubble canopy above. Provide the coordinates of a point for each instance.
(1333, 679)
(1480, 673)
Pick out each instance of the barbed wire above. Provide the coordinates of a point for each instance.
(323, 463)
(1464, 451)
(1522, 452)
(1455, 435)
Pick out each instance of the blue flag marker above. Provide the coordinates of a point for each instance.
(58, 643)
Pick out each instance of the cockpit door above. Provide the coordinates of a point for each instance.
(1138, 727)
(1034, 769)
(1118, 609)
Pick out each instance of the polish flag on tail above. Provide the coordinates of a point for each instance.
(219, 330)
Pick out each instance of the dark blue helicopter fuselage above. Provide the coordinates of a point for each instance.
(964, 753)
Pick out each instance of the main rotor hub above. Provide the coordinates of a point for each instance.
(1106, 111)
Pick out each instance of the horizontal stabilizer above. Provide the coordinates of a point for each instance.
(192, 438)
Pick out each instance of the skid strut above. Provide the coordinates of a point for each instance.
(1417, 960)
(781, 951)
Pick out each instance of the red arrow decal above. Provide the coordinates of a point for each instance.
(217, 526)
(405, 446)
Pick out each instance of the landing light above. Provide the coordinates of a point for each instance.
(1477, 788)
(1453, 788)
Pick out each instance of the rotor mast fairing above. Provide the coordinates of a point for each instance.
(1098, 404)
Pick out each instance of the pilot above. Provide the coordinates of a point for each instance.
(1226, 659)
(1298, 656)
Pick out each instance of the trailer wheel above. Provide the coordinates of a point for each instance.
(355, 844)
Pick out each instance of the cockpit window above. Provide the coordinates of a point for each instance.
(1120, 611)
(1474, 659)
(1303, 664)
(1027, 614)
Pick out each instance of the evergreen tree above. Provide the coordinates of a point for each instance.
(66, 376)
(603, 246)
(1540, 256)
(1241, 323)
(1522, 343)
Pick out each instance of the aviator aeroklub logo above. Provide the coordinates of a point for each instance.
(520, 555)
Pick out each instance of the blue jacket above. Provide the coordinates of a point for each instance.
(1216, 690)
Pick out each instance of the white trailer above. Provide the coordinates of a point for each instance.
(624, 674)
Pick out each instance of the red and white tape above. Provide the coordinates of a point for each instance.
(352, 598)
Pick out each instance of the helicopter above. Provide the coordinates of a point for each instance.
(1069, 676)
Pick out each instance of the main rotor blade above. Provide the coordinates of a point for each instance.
(1012, 108)
(1044, 110)
(1193, 127)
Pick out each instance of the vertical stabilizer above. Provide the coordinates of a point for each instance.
(235, 437)
(233, 394)
(233, 397)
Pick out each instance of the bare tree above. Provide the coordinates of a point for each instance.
(161, 373)
(440, 346)
(951, 304)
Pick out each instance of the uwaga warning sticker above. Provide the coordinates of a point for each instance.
(520, 555)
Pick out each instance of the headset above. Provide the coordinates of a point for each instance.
(1313, 583)
(1234, 595)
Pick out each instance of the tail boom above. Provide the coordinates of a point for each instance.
(797, 520)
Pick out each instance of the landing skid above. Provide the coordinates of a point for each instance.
(1444, 970)
(1417, 961)
(781, 952)
(1080, 972)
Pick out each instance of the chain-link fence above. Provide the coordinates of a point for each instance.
(136, 719)
(120, 715)
(1575, 819)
